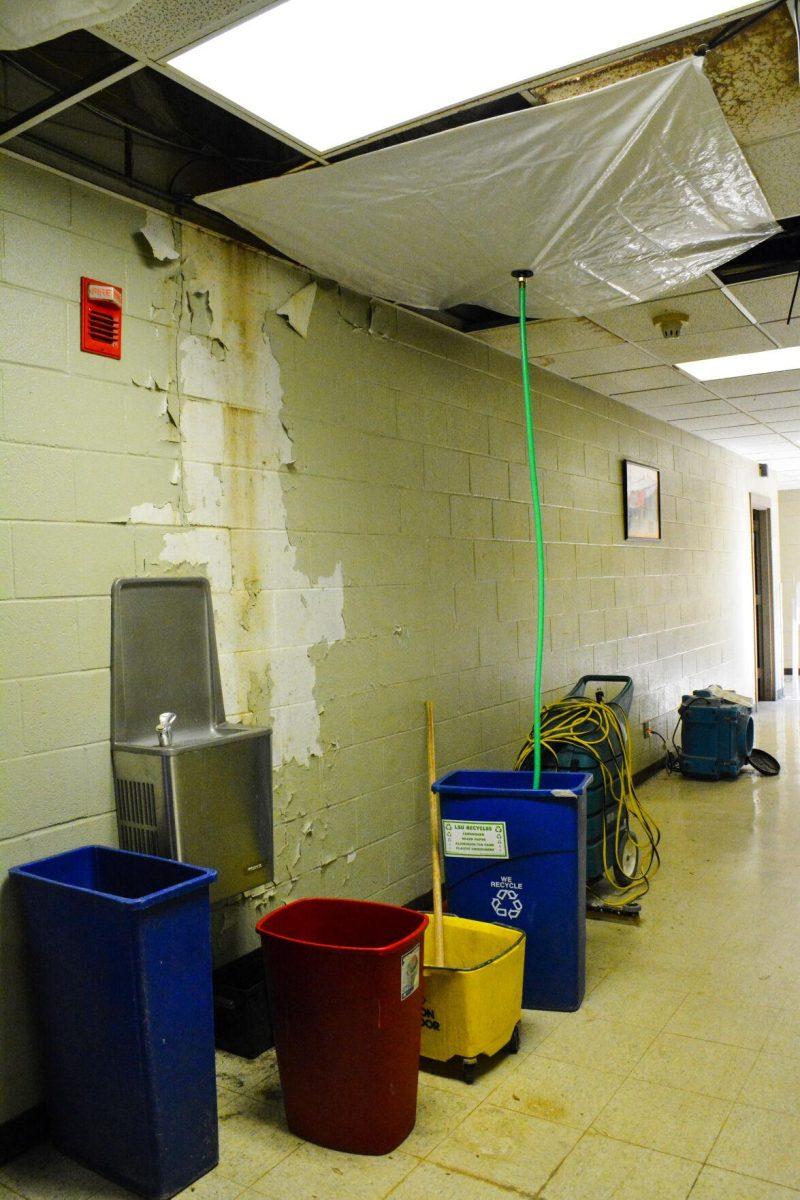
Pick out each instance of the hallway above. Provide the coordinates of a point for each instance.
(680, 1076)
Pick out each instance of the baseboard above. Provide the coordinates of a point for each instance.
(22, 1132)
(645, 773)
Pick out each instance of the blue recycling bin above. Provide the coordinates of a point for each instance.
(517, 856)
(121, 968)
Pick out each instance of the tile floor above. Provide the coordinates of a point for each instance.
(679, 1077)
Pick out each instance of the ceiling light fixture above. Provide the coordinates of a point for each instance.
(731, 366)
(330, 74)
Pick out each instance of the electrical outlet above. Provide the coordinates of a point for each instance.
(646, 729)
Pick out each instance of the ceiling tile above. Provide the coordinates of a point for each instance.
(718, 436)
(721, 423)
(504, 337)
(708, 408)
(684, 393)
(757, 385)
(785, 335)
(776, 166)
(755, 79)
(601, 361)
(766, 299)
(770, 415)
(618, 382)
(556, 337)
(758, 433)
(631, 400)
(707, 310)
(713, 344)
(783, 426)
(154, 28)
(782, 402)
(549, 337)
(761, 450)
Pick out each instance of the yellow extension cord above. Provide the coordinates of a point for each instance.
(560, 723)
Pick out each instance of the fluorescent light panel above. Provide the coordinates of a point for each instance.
(731, 366)
(329, 72)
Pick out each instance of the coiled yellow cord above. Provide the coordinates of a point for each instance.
(591, 725)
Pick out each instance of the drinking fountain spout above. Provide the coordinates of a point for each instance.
(164, 728)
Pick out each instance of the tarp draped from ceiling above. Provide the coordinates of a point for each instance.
(611, 197)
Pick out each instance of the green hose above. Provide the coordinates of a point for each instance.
(521, 276)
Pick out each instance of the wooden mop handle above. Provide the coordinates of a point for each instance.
(436, 862)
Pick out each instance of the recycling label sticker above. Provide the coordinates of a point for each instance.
(475, 839)
(409, 972)
(506, 901)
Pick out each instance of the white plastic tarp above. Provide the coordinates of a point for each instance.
(615, 196)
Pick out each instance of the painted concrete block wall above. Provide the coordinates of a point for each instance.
(358, 498)
(789, 520)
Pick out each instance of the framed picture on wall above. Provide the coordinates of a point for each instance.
(642, 499)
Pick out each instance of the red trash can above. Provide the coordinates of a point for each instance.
(343, 978)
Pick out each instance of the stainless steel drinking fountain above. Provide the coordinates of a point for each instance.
(188, 784)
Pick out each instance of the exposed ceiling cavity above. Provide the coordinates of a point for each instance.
(99, 106)
(179, 144)
(144, 135)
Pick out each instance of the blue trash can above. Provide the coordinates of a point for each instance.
(518, 857)
(121, 957)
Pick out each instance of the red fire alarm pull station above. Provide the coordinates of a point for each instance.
(101, 318)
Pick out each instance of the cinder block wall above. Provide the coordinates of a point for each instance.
(789, 519)
(359, 500)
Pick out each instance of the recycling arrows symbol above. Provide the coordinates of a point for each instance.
(506, 903)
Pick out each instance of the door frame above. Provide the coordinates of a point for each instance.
(766, 686)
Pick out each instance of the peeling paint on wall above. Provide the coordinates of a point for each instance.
(159, 233)
(150, 382)
(234, 447)
(297, 309)
(153, 514)
(204, 550)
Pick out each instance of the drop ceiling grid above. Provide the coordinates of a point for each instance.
(638, 367)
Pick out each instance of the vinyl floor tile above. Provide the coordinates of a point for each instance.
(712, 1068)
(714, 1020)
(430, 1182)
(773, 1083)
(591, 1042)
(513, 1150)
(713, 1184)
(763, 1144)
(314, 1173)
(663, 1118)
(600, 1168)
(557, 1091)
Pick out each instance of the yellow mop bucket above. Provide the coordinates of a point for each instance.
(472, 1005)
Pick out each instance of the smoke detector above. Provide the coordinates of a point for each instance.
(671, 323)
